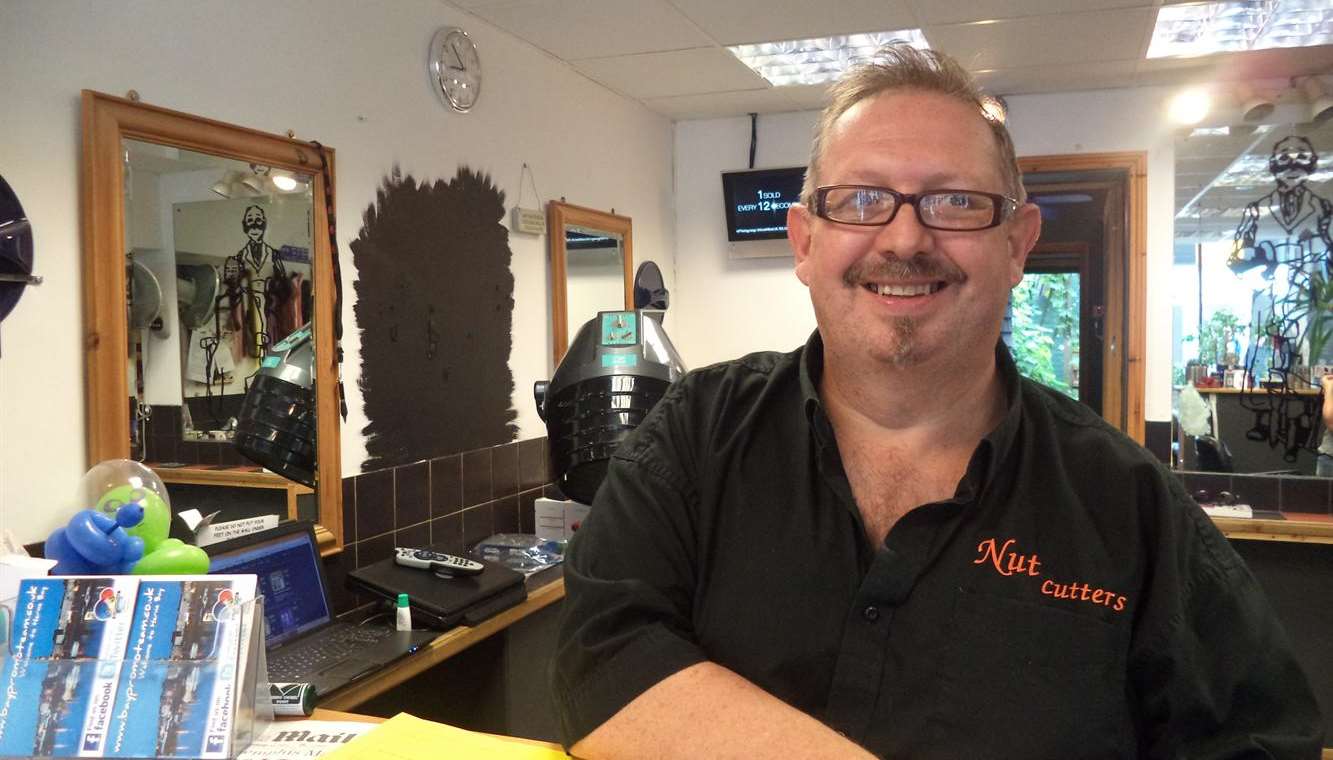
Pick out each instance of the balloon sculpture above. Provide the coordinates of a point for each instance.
(126, 529)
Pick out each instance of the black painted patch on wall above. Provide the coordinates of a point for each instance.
(435, 305)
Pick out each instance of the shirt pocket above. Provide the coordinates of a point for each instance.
(1027, 680)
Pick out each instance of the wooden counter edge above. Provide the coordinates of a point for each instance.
(443, 647)
(1258, 529)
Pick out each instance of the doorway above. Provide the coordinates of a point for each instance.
(1076, 323)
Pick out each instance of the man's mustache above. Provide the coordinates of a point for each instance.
(920, 267)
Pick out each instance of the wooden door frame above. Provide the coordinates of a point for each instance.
(1123, 370)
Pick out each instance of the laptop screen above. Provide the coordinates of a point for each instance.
(289, 578)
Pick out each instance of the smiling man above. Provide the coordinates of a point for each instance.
(888, 543)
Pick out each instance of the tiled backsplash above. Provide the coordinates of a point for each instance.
(164, 443)
(1286, 493)
(451, 502)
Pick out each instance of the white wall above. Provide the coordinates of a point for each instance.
(350, 74)
(723, 307)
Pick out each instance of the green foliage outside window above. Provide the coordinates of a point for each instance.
(1045, 330)
(1216, 337)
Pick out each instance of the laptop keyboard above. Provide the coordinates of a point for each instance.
(300, 660)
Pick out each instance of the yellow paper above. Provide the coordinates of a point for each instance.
(405, 737)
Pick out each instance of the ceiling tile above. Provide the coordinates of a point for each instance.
(961, 11)
(680, 72)
(733, 22)
(470, 4)
(1249, 65)
(577, 29)
(1045, 40)
(807, 97)
(1076, 76)
(715, 104)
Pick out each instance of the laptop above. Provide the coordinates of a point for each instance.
(442, 602)
(303, 642)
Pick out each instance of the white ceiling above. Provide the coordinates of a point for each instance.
(671, 54)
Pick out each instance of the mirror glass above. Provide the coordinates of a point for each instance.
(219, 269)
(1252, 299)
(591, 261)
(201, 242)
(594, 273)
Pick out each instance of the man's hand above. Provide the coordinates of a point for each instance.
(708, 711)
(1326, 383)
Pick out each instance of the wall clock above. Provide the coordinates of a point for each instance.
(455, 68)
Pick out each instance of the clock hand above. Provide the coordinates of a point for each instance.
(457, 56)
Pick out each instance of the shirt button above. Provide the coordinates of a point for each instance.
(870, 613)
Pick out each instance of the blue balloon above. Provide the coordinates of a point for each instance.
(93, 543)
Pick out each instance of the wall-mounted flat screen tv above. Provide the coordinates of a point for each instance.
(757, 201)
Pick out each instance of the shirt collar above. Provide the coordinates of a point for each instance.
(992, 449)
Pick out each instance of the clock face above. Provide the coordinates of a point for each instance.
(455, 68)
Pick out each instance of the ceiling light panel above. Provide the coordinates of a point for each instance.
(820, 60)
(1186, 31)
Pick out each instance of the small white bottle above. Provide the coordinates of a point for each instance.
(404, 613)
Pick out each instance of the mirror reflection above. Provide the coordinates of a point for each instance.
(218, 271)
(591, 261)
(594, 273)
(1252, 296)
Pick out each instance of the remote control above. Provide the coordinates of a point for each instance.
(447, 564)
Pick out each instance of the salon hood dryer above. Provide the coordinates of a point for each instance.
(276, 427)
(615, 371)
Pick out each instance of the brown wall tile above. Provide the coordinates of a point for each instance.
(446, 533)
(372, 550)
(446, 485)
(478, 523)
(506, 515)
(504, 470)
(374, 504)
(531, 463)
(527, 517)
(476, 477)
(349, 510)
(417, 536)
(412, 493)
(1305, 495)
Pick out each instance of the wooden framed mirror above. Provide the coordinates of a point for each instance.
(592, 267)
(189, 224)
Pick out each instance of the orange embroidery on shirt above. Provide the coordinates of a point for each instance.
(1006, 560)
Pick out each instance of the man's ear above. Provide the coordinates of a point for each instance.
(798, 234)
(1024, 229)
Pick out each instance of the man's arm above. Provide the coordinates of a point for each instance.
(706, 710)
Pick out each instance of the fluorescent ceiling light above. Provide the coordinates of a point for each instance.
(1185, 31)
(816, 61)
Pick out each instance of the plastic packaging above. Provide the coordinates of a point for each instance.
(523, 552)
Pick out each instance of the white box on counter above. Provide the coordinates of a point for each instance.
(558, 519)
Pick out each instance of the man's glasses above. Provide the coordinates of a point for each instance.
(954, 210)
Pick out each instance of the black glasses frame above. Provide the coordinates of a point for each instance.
(1004, 206)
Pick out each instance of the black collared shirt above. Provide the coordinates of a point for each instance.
(1070, 601)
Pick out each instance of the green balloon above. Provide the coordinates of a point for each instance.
(173, 557)
(156, 514)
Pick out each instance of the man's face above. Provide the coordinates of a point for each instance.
(254, 224)
(911, 141)
(1292, 162)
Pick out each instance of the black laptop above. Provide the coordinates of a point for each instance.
(442, 602)
(303, 642)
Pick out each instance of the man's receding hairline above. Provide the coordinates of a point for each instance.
(836, 127)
